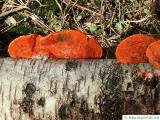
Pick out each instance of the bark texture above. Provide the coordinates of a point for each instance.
(74, 90)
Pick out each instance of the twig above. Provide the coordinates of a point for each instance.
(102, 7)
(113, 37)
(114, 12)
(155, 27)
(137, 21)
(119, 10)
(135, 11)
(109, 41)
(112, 29)
(78, 24)
(37, 20)
(12, 11)
(84, 8)
(11, 26)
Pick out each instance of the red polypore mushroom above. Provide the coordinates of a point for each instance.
(71, 44)
(133, 49)
(63, 44)
(153, 54)
(23, 46)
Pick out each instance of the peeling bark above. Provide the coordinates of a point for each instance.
(74, 90)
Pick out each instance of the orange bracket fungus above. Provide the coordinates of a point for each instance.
(23, 46)
(153, 54)
(71, 44)
(64, 44)
(132, 50)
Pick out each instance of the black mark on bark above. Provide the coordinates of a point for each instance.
(27, 105)
(71, 65)
(30, 89)
(28, 102)
(64, 111)
(41, 101)
(129, 85)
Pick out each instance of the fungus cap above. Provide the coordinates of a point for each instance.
(132, 50)
(153, 54)
(64, 44)
(41, 50)
(70, 44)
(23, 46)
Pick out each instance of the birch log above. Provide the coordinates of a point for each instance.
(74, 90)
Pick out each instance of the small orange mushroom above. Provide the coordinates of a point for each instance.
(153, 54)
(23, 46)
(132, 50)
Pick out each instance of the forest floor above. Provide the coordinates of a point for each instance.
(109, 21)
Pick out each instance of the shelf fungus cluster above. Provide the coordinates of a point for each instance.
(139, 48)
(64, 44)
(72, 44)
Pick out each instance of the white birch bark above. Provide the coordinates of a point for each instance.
(73, 89)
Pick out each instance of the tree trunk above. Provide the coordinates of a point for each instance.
(74, 90)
